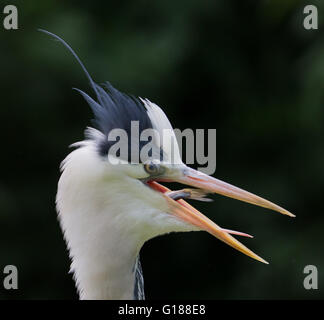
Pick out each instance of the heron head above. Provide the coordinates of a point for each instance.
(140, 180)
(115, 114)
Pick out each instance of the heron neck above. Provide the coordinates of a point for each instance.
(104, 232)
(109, 273)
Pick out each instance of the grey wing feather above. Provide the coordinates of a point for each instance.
(139, 281)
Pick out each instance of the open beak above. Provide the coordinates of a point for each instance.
(184, 211)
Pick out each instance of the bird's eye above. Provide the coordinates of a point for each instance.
(153, 168)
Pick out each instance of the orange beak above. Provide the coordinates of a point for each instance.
(200, 180)
(182, 210)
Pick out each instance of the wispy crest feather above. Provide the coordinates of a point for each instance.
(113, 109)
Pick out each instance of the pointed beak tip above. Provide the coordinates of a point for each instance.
(255, 257)
(262, 260)
(287, 213)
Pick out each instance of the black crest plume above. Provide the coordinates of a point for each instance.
(112, 109)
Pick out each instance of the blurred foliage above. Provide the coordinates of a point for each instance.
(247, 68)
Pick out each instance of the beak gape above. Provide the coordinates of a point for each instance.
(207, 184)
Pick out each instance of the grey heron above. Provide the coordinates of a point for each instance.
(108, 211)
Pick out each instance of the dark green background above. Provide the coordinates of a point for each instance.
(247, 68)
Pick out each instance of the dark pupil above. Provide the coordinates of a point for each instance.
(152, 167)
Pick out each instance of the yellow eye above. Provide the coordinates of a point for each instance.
(153, 168)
